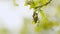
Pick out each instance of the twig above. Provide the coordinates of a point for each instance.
(43, 5)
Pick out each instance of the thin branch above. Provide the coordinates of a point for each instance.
(43, 5)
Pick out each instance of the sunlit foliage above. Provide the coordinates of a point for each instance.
(3, 31)
(37, 5)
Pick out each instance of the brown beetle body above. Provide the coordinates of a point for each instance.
(35, 17)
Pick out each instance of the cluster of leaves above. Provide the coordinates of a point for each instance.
(45, 23)
(37, 5)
